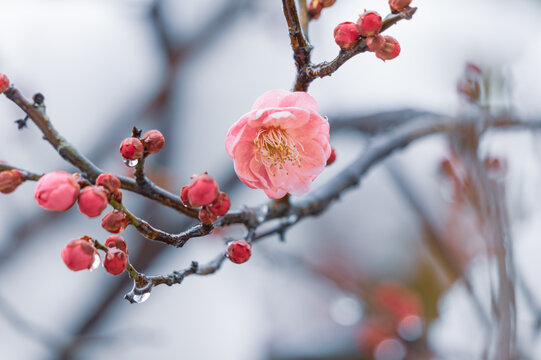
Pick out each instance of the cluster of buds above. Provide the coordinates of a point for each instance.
(368, 27)
(315, 7)
(398, 320)
(116, 259)
(81, 254)
(203, 191)
(132, 149)
(4, 83)
(59, 190)
(115, 221)
(10, 180)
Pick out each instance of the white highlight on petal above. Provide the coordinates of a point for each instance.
(282, 115)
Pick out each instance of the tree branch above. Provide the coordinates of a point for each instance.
(299, 44)
(90, 171)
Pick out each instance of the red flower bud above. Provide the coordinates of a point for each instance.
(206, 216)
(115, 222)
(398, 5)
(9, 180)
(184, 195)
(369, 23)
(79, 254)
(56, 191)
(4, 83)
(131, 148)
(153, 141)
(390, 49)
(375, 43)
(203, 191)
(239, 251)
(115, 261)
(346, 35)
(116, 241)
(332, 157)
(108, 181)
(221, 205)
(92, 201)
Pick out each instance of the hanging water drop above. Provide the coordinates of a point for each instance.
(139, 293)
(96, 263)
(131, 163)
(141, 298)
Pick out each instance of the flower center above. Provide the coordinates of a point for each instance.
(276, 147)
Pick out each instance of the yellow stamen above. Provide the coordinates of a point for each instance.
(277, 148)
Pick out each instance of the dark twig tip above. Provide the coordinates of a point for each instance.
(136, 133)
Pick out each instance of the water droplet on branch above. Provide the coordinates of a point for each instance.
(131, 163)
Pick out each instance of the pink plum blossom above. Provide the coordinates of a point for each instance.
(56, 191)
(281, 145)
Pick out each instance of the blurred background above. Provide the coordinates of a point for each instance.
(364, 280)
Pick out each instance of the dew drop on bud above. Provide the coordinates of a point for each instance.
(96, 263)
(131, 163)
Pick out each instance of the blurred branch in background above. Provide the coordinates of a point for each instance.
(388, 132)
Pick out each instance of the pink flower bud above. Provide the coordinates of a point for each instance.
(238, 251)
(390, 49)
(56, 191)
(398, 5)
(115, 261)
(131, 148)
(375, 43)
(116, 241)
(153, 141)
(221, 205)
(108, 181)
(203, 190)
(4, 83)
(115, 222)
(79, 254)
(9, 180)
(346, 35)
(369, 23)
(332, 157)
(92, 201)
(184, 195)
(206, 216)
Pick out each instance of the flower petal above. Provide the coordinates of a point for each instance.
(275, 193)
(299, 99)
(270, 99)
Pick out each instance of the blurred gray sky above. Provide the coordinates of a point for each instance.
(95, 61)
